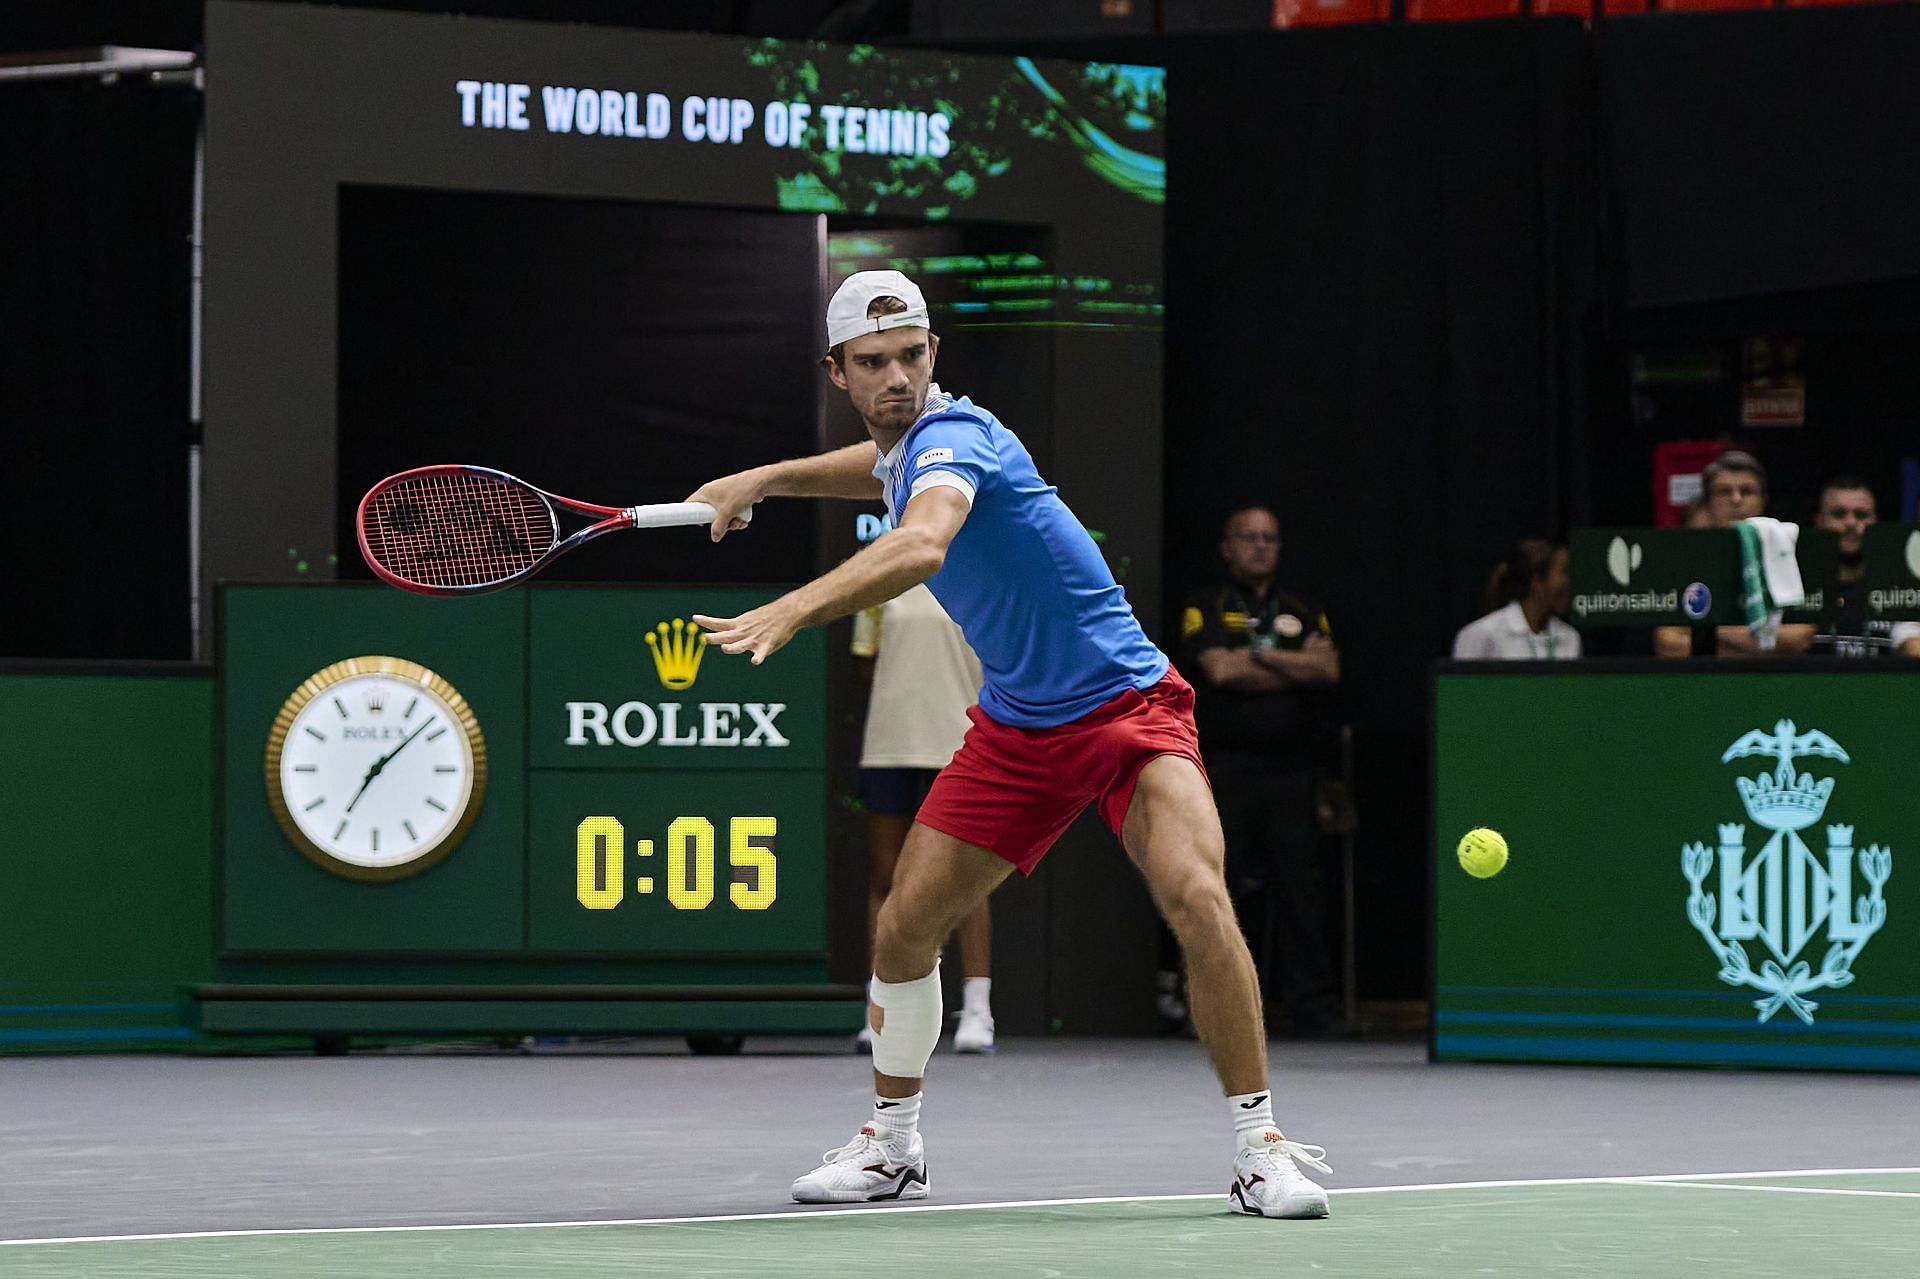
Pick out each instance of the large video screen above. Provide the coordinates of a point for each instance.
(597, 257)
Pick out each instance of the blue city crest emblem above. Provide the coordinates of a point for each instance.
(1783, 894)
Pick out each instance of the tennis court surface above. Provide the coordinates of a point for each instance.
(1058, 1158)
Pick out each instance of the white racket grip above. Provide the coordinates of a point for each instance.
(675, 514)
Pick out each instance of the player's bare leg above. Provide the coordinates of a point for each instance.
(886, 836)
(938, 881)
(1172, 833)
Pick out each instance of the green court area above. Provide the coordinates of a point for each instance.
(1785, 1224)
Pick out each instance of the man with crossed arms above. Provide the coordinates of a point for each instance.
(1078, 707)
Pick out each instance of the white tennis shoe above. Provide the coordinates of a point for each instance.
(1267, 1182)
(974, 1034)
(868, 1169)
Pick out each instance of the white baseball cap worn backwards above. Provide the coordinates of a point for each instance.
(847, 313)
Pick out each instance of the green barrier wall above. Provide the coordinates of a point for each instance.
(644, 826)
(105, 805)
(1707, 867)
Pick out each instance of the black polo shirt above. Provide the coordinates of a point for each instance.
(1288, 722)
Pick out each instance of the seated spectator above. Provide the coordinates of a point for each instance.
(1847, 507)
(1528, 594)
(1735, 487)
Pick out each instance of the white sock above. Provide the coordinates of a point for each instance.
(974, 994)
(1252, 1117)
(896, 1118)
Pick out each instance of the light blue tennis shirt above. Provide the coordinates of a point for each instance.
(1026, 584)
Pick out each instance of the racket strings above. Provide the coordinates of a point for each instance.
(457, 529)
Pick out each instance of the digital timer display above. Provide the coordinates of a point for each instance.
(600, 882)
(697, 861)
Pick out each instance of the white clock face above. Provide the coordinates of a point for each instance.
(377, 771)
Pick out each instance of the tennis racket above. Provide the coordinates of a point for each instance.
(466, 530)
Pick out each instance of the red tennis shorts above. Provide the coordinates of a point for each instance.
(1016, 790)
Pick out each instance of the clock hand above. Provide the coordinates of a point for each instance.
(372, 773)
(381, 763)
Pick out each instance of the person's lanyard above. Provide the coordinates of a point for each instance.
(1258, 623)
(1547, 638)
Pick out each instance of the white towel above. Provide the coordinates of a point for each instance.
(1769, 576)
(1778, 561)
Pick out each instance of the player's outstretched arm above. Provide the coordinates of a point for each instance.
(846, 472)
(896, 561)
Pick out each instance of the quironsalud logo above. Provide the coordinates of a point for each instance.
(1783, 894)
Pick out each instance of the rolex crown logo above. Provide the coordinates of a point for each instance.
(376, 700)
(677, 652)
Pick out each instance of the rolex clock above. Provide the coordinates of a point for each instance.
(375, 768)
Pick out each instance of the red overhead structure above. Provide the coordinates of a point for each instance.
(1315, 13)
(1584, 8)
(1461, 10)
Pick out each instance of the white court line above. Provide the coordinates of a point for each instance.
(1667, 1178)
(1739, 1176)
(1784, 1190)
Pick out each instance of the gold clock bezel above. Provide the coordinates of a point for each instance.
(319, 683)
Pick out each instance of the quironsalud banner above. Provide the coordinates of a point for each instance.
(1686, 577)
(1705, 868)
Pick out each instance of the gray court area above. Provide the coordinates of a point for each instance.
(115, 1145)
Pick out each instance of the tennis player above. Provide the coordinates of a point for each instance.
(1078, 707)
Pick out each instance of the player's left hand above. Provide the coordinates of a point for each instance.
(762, 631)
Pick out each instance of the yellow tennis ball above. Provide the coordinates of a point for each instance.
(1482, 852)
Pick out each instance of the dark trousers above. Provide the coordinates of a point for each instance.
(1277, 874)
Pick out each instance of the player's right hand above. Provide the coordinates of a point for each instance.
(730, 496)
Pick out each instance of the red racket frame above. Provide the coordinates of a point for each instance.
(612, 519)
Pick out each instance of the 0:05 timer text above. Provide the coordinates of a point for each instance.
(601, 881)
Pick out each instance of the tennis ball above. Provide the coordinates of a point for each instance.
(1482, 852)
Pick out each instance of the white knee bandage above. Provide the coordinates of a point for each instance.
(910, 1027)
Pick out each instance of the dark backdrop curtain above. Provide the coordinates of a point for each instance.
(1764, 153)
(1381, 251)
(612, 352)
(1383, 263)
(95, 218)
(1379, 280)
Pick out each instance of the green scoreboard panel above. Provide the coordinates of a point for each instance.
(675, 797)
(1707, 865)
(626, 792)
